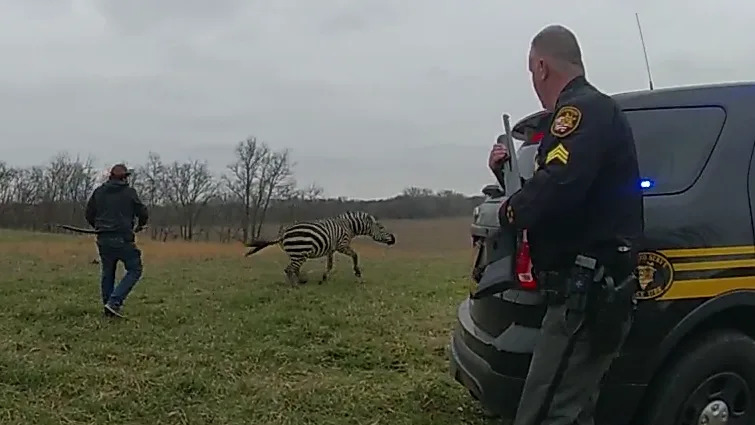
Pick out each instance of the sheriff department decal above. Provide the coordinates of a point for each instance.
(655, 275)
(566, 121)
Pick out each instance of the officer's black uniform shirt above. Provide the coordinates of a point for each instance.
(585, 197)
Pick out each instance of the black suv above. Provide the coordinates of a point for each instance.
(690, 357)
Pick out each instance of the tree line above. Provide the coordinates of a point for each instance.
(188, 201)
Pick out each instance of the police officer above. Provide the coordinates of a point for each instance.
(583, 211)
(111, 211)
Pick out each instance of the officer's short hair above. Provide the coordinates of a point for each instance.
(558, 42)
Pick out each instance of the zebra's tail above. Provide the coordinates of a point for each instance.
(259, 246)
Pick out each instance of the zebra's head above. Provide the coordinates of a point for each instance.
(379, 233)
(366, 224)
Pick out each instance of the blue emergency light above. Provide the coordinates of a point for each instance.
(646, 183)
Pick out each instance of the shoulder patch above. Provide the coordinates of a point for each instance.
(558, 153)
(566, 121)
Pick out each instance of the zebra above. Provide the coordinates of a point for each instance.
(317, 238)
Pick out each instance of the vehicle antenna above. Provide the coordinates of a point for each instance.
(644, 51)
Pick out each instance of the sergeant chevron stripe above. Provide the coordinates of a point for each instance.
(559, 152)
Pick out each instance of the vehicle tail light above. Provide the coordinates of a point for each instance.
(523, 265)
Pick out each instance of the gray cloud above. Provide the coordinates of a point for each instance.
(371, 96)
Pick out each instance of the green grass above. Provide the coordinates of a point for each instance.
(213, 338)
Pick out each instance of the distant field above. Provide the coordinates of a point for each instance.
(216, 338)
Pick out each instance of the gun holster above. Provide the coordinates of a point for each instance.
(611, 307)
(607, 305)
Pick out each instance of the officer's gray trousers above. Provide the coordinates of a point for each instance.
(575, 397)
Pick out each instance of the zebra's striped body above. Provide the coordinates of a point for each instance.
(313, 239)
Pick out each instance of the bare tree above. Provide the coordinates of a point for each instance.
(150, 180)
(7, 177)
(417, 192)
(298, 199)
(7, 182)
(151, 184)
(30, 186)
(55, 177)
(258, 176)
(55, 186)
(190, 186)
(80, 181)
(311, 192)
(241, 181)
(275, 180)
(225, 218)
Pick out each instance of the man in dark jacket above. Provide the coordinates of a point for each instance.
(111, 211)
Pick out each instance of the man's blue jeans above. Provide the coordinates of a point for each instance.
(114, 248)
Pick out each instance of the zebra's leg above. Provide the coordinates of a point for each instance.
(347, 250)
(328, 268)
(293, 271)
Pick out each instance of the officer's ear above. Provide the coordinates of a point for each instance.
(543, 69)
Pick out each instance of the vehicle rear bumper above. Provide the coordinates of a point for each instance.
(496, 392)
(499, 393)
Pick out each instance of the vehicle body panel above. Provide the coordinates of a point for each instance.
(704, 229)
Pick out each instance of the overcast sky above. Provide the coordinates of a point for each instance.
(371, 96)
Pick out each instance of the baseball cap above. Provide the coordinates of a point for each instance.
(120, 171)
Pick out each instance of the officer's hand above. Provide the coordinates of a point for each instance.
(498, 154)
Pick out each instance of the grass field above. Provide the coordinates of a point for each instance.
(216, 338)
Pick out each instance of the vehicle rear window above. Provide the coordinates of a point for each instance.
(673, 145)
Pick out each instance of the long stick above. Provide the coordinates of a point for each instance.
(87, 231)
(77, 229)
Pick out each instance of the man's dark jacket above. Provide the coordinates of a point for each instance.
(113, 207)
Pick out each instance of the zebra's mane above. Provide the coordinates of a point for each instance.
(355, 214)
(353, 218)
(345, 217)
